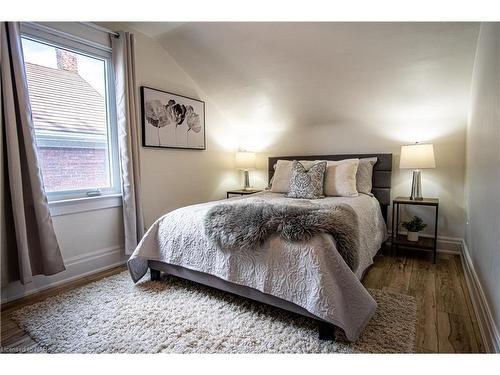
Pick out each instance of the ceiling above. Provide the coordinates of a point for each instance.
(154, 29)
(312, 74)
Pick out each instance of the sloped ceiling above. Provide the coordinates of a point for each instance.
(391, 75)
(154, 29)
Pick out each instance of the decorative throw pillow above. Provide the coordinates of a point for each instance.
(304, 183)
(340, 178)
(281, 177)
(280, 182)
(364, 175)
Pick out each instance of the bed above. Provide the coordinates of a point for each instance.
(308, 278)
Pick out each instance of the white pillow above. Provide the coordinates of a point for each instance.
(280, 183)
(364, 175)
(340, 178)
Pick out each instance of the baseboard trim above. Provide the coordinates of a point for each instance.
(76, 268)
(489, 331)
(449, 245)
(93, 255)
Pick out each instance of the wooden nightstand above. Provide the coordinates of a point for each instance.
(232, 193)
(424, 243)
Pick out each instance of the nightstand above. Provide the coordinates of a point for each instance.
(232, 193)
(423, 243)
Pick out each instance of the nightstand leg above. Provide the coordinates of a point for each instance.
(436, 234)
(392, 229)
(397, 229)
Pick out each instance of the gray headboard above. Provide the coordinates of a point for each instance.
(382, 171)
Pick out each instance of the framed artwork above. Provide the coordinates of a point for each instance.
(172, 121)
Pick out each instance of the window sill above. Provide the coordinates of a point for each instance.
(73, 206)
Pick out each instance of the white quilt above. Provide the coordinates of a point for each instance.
(309, 274)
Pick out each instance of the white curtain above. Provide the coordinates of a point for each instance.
(30, 247)
(128, 137)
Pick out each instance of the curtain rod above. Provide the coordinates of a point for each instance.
(100, 28)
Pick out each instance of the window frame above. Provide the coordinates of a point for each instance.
(56, 38)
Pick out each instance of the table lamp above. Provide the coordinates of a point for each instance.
(417, 156)
(245, 161)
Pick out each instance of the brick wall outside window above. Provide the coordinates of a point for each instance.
(73, 168)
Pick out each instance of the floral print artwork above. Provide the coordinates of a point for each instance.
(175, 123)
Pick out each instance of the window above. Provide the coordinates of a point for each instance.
(72, 101)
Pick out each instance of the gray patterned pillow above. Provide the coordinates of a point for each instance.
(364, 176)
(306, 184)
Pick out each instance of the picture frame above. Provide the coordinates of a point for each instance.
(171, 120)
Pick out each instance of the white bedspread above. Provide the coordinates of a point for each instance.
(312, 274)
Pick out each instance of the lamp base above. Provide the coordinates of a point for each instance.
(247, 180)
(416, 186)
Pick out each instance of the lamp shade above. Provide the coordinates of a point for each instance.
(245, 160)
(417, 156)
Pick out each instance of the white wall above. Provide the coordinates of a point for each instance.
(90, 241)
(445, 182)
(328, 88)
(483, 168)
(175, 178)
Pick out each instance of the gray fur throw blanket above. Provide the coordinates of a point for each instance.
(248, 225)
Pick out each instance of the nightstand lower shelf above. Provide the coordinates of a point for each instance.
(424, 243)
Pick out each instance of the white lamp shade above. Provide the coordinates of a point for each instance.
(417, 156)
(245, 160)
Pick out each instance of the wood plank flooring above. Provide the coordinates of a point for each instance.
(445, 322)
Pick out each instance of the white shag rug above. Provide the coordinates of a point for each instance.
(113, 315)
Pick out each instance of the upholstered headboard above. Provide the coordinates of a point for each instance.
(381, 179)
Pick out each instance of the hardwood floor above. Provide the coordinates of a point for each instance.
(445, 323)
